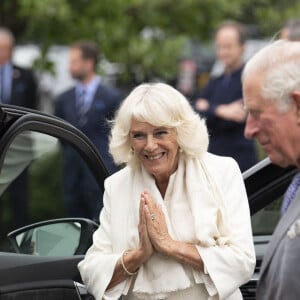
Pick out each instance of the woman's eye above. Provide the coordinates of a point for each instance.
(161, 133)
(138, 136)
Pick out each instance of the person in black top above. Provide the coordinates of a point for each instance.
(221, 101)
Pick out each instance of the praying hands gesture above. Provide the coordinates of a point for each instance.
(153, 228)
(154, 235)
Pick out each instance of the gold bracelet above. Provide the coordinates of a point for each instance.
(123, 265)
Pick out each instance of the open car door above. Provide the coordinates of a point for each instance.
(49, 267)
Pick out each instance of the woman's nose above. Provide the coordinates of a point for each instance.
(151, 143)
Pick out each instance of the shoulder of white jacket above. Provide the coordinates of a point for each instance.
(217, 159)
(122, 174)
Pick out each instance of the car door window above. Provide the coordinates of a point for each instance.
(59, 239)
(49, 174)
(265, 220)
(28, 147)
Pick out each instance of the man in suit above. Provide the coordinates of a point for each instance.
(17, 87)
(88, 106)
(221, 101)
(271, 81)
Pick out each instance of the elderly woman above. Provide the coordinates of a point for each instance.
(175, 222)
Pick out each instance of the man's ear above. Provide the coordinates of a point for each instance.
(296, 98)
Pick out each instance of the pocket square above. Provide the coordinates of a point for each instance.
(294, 230)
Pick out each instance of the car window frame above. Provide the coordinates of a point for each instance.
(264, 182)
(27, 120)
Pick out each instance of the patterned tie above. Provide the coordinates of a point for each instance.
(290, 193)
(81, 106)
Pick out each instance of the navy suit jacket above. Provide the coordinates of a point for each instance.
(24, 88)
(106, 101)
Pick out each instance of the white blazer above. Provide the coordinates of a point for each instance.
(216, 218)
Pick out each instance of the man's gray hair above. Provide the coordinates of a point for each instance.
(278, 66)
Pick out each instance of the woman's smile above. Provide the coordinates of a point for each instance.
(155, 157)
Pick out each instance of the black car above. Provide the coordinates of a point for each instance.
(43, 257)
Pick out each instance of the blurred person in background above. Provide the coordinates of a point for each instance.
(221, 101)
(88, 106)
(291, 30)
(271, 81)
(17, 87)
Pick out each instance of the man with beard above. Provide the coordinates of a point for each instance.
(88, 106)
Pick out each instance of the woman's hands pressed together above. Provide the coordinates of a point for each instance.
(145, 246)
(157, 237)
(154, 236)
(155, 224)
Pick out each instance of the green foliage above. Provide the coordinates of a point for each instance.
(144, 37)
(45, 19)
(276, 17)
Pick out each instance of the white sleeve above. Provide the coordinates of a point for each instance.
(97, 267)
(230, 263)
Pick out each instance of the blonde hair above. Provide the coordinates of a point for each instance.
(160, 105)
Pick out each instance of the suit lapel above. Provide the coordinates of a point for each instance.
(285, 222)
(71, 107)
(97, 95)
(98, 102)
(15, 77)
